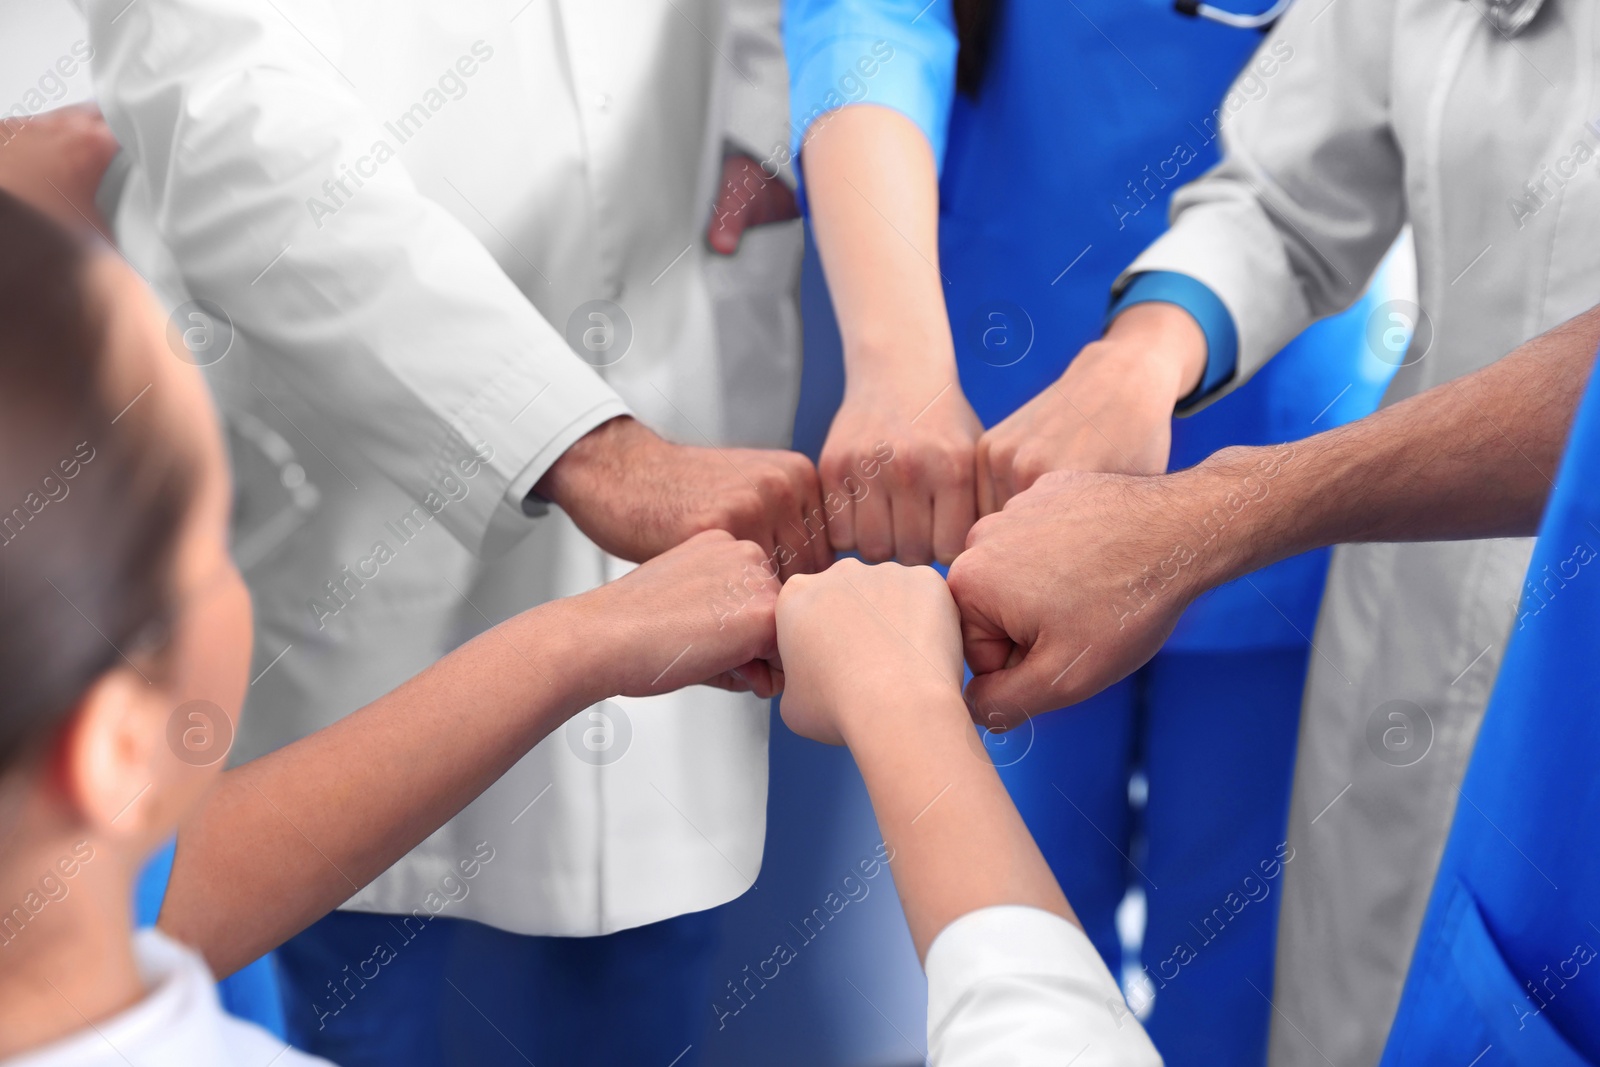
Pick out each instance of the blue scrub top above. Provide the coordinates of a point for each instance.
(1509, 954)
(1091, 114)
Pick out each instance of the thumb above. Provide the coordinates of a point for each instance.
(1021, 689)
(986, 644)
(726, 227)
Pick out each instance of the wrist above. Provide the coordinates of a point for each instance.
(1163, 344)
(568, 651)
(1244, 505)
(596, 458)
(878, 717)
(895, 357)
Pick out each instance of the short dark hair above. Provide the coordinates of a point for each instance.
(92, 498)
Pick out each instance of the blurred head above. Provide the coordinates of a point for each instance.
(124, 625)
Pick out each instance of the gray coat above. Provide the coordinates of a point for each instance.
(1382, 113)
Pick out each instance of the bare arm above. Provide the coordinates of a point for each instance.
(874, 197)
(875, 660)
(957, 840)
(284, 839)
(874, 657)
(1100, 566)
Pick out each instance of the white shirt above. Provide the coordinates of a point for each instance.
(180, 1024)
(1012, 986)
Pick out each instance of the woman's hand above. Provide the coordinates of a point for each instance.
(859, 639)
(918, 431)
(700, 613)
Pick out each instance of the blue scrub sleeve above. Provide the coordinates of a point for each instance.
(899, 54)
(1207, 310)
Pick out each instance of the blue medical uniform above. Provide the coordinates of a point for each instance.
(1052, 180)
(1507, 968)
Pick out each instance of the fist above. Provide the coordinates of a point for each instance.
(54, 161)
(857, 637)
(701, 613)
(1075, 585)
(1110, 411)
(636, 495)
(921, 504)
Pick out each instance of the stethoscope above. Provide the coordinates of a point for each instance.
(1196, 9)
(1508, 16)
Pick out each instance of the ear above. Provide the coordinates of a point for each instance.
(110, 760)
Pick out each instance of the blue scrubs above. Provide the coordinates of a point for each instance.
(1052, 181)
(1507, 968)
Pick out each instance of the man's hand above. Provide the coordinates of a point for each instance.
(54, 161)
(747, 197)
(858, 640)
(701, 613)
(1110, 411)
(1079, 580)
(636, 495)
(921, 505)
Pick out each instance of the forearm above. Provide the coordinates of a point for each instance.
(956, 840)
(1470, 458)
(873, 192)
(286, 838)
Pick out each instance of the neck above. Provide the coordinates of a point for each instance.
(66, 947)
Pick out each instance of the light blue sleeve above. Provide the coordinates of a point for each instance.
(899, 54)
(1207, 310)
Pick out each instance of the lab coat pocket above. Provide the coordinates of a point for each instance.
(1463, 999)
(755, 297)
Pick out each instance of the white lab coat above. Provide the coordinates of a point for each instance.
(1378, 113)
(501, 164)
(1014, 986)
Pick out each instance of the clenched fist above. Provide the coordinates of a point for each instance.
(921, 505)
(1110, 411)
(637, 495)
(859, 639)
(701, 613)
(1080, 579)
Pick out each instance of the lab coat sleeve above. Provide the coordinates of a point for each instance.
(387, 313)
(1019, 987)
(899, 54)
(1292, 223)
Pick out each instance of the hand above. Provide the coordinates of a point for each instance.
(858, 639)
(54, 161)
(917, 431)
(747, 197)
(1079, 581)
(1110, 411)
(701, 613)
(636, 495)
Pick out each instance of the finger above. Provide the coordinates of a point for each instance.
(836, 481)
(1003, 698)
(1003, 472)
(954, 512)
(983, 479)
(986, 647)
(874, 523)
(723, 234)
(815, 551)
(757, 677)
(912, 512)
